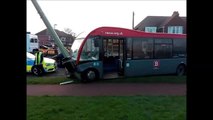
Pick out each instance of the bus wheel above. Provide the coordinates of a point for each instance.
(180, 70)
(90, 75)
(37, 71)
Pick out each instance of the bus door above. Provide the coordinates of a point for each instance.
(113, 57)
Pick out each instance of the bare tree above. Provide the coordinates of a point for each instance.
(69, 31)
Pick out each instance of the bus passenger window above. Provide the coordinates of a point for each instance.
(137, 49)
(142, 48)
(179, 48)
(129, 48)
(163, 48)
(147, 48)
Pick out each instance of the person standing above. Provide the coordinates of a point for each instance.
(38, 69)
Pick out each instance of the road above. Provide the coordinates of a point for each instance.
(104, 89)
(107, 89)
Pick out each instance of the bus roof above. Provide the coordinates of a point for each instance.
(124, 32)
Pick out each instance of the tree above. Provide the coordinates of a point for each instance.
(69, 31)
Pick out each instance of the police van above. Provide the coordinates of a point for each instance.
(32, 42)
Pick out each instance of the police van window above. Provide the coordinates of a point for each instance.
(32, 40)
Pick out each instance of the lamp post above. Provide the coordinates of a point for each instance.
(53, 44)
(54, 26)
(133, 19)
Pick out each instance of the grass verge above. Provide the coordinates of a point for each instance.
(106, 108)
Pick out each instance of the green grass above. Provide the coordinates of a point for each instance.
(106, 108)
(46, 80)
(146, 79)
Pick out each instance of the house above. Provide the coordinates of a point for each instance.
(46, 39)
(164, 24)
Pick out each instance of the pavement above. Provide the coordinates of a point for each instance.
(107, 89)
(104, 89)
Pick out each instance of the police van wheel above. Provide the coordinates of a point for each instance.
(37, 71)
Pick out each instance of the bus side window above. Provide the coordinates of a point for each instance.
(129, 48)
(147, 48)
(179, 48)
(163, 48)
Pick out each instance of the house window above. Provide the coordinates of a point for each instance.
(151, 29)
(63, 39)
(175, 29)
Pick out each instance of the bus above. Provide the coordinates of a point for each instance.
(32, 42)
(113, 52)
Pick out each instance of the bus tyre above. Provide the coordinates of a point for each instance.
(37, 71)
(180, 70)
(90, 75)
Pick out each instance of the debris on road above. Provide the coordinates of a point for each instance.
(67, 82)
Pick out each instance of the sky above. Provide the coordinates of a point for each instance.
(85, 15)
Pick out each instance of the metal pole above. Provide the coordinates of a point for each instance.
(133, 14)
(51, 30)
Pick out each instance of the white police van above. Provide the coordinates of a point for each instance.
(32, 42)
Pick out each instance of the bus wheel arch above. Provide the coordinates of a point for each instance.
(90, 74)
(181, 70)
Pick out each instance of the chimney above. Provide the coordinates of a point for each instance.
(175, 13)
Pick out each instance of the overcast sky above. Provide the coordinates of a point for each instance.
(85, 15)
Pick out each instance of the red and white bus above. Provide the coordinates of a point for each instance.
(111, 52)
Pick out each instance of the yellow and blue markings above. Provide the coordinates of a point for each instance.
(30, 63)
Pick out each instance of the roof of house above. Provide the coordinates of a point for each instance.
(151, 21)
(59, 33)
(157, 20)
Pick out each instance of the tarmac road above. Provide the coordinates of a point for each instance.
(107, 89)
(104, 89)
